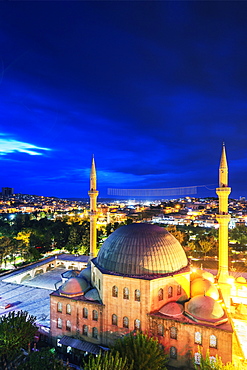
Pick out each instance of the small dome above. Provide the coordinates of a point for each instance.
(73, 287)
(241, 279)
(203, 274)
(92, 295)
(204, 307)
(141, 249)
(172, 309)
(201, 286)
(86, 273)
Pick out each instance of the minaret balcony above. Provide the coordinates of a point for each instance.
(224, 189)
(225, 217)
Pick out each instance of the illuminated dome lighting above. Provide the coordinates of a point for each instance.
(205, 308)
(201, 286)
(203, 274)
(141, 249)
(172, 309)
(241, 279)
(73, 287)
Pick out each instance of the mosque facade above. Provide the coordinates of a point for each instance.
(141, 279)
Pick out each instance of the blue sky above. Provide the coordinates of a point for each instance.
(152, 89)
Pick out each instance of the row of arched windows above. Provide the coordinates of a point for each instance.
(197, 357)
(94, 314)
(170, 292)
(125, 323)
(84, 328)
(60, 308)
(126, 295)
(212, 339)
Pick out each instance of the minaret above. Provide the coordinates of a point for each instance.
(93, 193)
(223, 218)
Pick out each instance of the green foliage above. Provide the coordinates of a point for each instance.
(207, 364)
(143, 351)
(107, 361)
(42, 360)
(17, 329)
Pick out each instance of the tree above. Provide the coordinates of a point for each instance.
(208, 363)
(42, 360)
(143, 351)
(179, 235)
(107, 361)
(17, 329)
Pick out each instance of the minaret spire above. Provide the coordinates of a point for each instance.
(93, 193)
(223, 218)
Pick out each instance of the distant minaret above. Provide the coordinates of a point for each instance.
(93, 193)
(223, 218)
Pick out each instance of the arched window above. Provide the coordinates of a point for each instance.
(179, 290)
(170, 292)
(198, 337)
(137, 295)
(125, 322)
(94, 277)
(95, 333)
(85, 313)
(95, 315)
(68, 309)
(160, 295)
(137, 324)
(125, 293)
(114, 319)
(85, 330)
(115, 291)
(99, 284)
(68, 325)
(160, 329)
(212, 341)
(59, 307)
(173, 332)
(173, 353)
(59, 323)
(197, 358)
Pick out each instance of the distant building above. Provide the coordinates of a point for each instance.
(7, 192)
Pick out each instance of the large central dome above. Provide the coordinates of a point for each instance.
(141, 249)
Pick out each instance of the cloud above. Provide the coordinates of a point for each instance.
(8, 145)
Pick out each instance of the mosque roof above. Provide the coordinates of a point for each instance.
(172, 309)
(205, 308)
(203, 274)
(141, 249)
(202, 286)
(73, 287)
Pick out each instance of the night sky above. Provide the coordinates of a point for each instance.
(152, 89)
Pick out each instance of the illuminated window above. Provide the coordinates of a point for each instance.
(125, 293)
(68, 325)
(179, 290)
(170, 291)
(137, 324)
(59, 323)
(115, 291)
(198, 337)
(160, 295)
(114, 319)
(173, 332)
(95, 315)
(173, 353)
(212, 341)
(125, 322)
(59, 307)
(197, 358)
(212, 360)
(68, 309)
(85, 330)
(85, 313)
(58, 343)
(137, 295)
(95, 333)
(160, 329)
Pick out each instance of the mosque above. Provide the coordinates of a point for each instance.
(141, 279)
